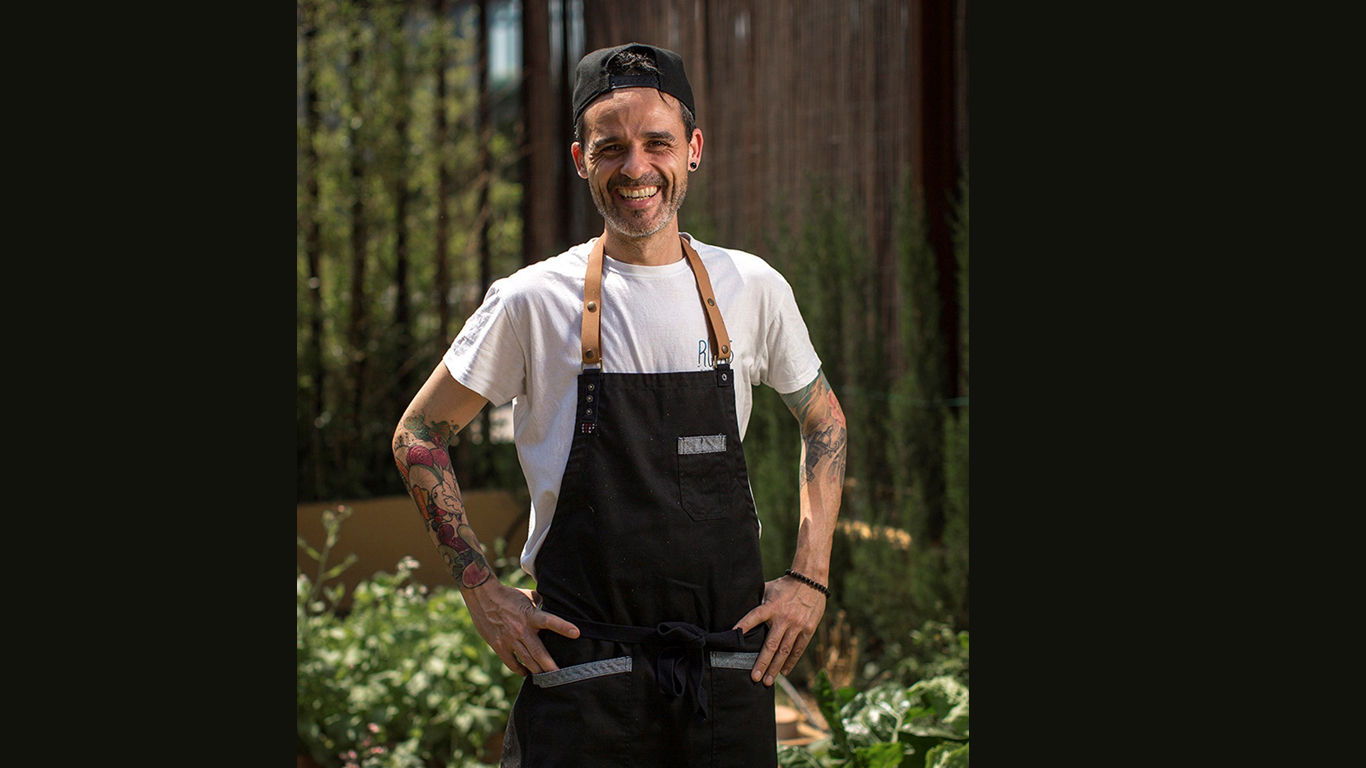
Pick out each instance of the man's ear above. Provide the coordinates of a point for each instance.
(695, 148)
(576, 150)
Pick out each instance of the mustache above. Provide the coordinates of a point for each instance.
(652, 180)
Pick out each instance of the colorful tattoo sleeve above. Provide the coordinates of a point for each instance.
(421, 452)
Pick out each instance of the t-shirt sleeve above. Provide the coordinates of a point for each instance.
(487, 355)
(790, 361)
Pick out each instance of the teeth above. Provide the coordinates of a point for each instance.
(635, 194)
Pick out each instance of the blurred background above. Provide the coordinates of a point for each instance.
(432, 158)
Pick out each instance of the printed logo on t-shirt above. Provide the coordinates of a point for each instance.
(705, 359)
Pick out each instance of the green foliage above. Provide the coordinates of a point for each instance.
(934, 650)
(401, 679)
(332, 520)
(960, 250)
(908, 443)
(377, 113)
(956, 436)
(876, 593)
(890, 725)
(954, 575)
(917, 405)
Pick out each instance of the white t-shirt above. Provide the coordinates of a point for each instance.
(522, 344)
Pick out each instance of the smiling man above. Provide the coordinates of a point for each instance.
(651, 639)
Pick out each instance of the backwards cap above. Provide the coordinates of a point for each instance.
(591, 79)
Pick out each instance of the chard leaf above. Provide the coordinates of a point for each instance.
(879, 712)
(949, 700)
(827, 702)
(950, 754)
(885, 754)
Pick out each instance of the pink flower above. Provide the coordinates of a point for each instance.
(373, 728)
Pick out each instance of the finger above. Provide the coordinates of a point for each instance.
(538, 656)
(514, 663)
(529, 658)
(556, 624)
(755, 617)
(798, 648)
(766, 654)
(785, 645)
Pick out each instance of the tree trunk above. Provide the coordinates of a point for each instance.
(576, 224)
(485, 157)
(485, 174)
(443, 184)
(402, 320)
(934, 158)
(540, 211)
(312, 246)
(356, 327)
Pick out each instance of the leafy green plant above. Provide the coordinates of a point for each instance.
(925, 725)
(934, 650)
(401, 680)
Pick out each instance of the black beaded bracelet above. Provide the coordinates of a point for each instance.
(809, 582)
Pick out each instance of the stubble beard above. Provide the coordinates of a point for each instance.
(632, 224)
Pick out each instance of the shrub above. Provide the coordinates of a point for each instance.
(401, 679)
(934, 650)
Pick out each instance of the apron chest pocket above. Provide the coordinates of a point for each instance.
(706, 479)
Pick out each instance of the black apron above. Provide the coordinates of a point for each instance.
(654, 555)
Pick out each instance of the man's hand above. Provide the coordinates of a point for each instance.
(508, 620)
(793, 611)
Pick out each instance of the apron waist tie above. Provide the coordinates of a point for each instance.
(680, 651)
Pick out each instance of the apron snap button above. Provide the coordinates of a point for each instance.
(590, 398)
(592, 306)
(711, 302)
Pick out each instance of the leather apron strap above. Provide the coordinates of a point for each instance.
(590, 337)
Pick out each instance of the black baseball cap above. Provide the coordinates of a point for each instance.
(591, 79)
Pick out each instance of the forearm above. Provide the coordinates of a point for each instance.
(507, 618)
(421, 452)
(821, 475)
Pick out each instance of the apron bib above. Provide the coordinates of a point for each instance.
(654, 555)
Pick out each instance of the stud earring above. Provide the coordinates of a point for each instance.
(693, 166)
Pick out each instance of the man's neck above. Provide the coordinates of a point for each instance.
(657, 250)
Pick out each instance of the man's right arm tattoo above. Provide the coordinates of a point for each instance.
(421, 452)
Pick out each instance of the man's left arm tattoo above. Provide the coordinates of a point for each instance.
(421, 452)
(824, 430)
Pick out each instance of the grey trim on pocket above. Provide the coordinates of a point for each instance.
(731, 660)
(702, 444)
(583, 672)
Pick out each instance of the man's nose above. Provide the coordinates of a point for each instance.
(636, 165)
